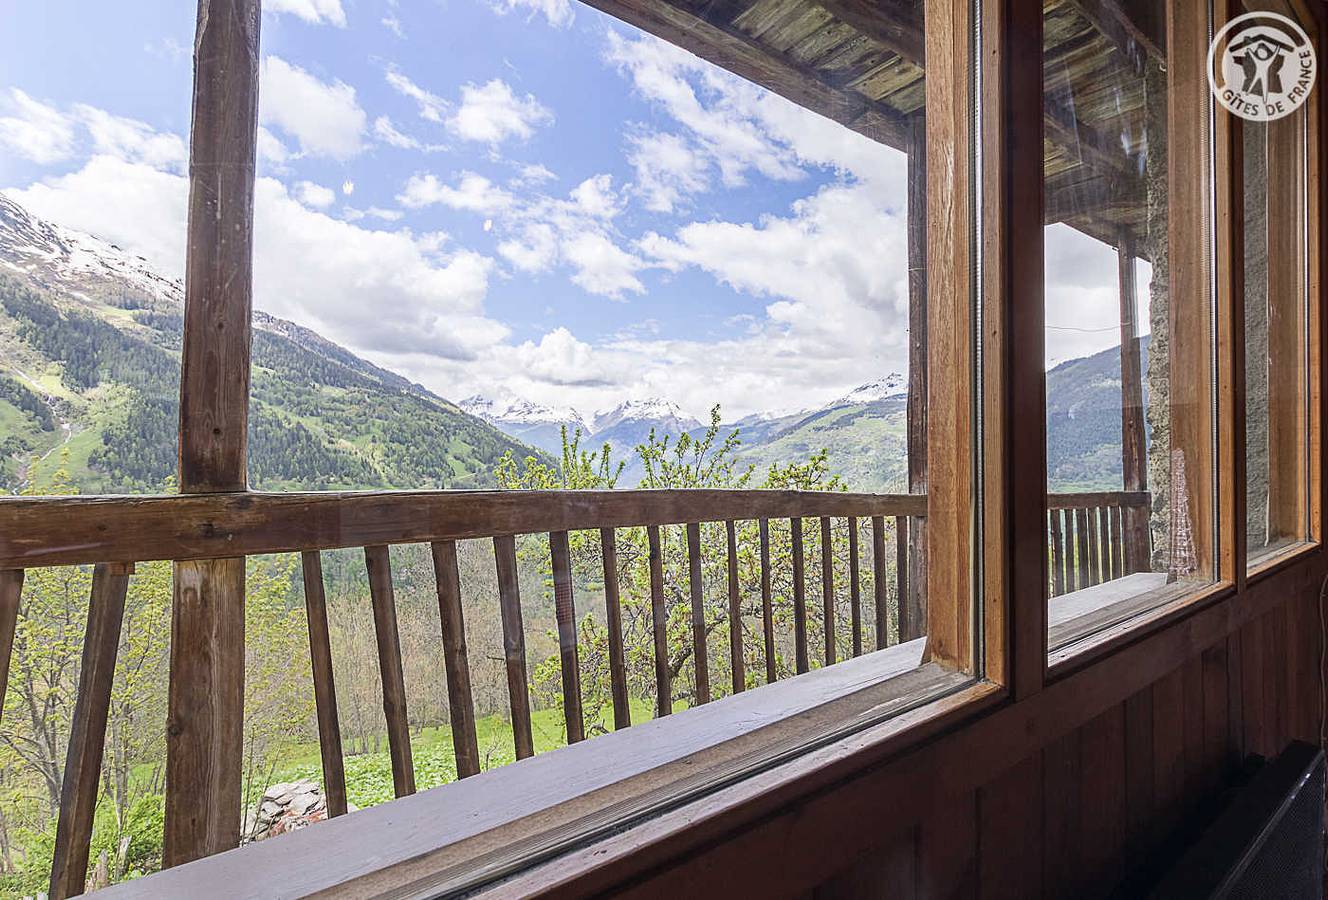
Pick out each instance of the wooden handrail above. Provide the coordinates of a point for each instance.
(1090, 499)
(51, 531)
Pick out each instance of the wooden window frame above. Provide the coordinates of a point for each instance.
(1020, 699)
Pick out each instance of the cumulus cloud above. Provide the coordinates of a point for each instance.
(492, 113)
(602, 267)
(35, 131)
(668, 169)
(315, 12)
(132, 140)
(1083, 295)
(472, 193)
(315, 195)
(323, 117)
(557, 12)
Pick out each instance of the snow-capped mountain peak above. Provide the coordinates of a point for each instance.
(512, 410)
(75, 260)
(651, 409)
(892, 387)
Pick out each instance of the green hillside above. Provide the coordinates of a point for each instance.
(100, 376)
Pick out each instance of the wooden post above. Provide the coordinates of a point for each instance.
(11, 591)
(1134, 462)
(325, 690)
(913, 601)
(204, 737)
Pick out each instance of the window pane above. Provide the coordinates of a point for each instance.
(1276, 368)
(1129, 349)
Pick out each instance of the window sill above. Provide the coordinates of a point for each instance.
(1276, 557)
(468, 833)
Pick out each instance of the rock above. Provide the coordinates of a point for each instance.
(284, 807)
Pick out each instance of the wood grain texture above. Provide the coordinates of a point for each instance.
(325, 691)
(828, 591)
(456, 659)
(514, 644)
(854, 585)
(880, 580)
(738, 674)
(622, 709)
(87, 735)
(696, 587)
(11, 594)
(205, 710)
(383, 599)
(564, 607)
(659, 616)
(801, 656)
(767, 608)
(51, 531)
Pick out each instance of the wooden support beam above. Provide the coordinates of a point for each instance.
(1134, 461)
(456, 659)
(514, 644)
(622, 706)
(87, 735)
(378, 562)
(11, 592)
(325, 691)
(891, 23)
(204, 743)
(564, 608)
(913, 584)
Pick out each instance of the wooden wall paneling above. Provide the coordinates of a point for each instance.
(1062, 781)
(1192, 705)
(1140, 780)
(1274, 678)
(948, 850)
(1217, 741)
(204, 743)
(1010, 833)
(1169, 760)
(1235, 702)
(887, 870)
(1254, 713)
(1103, 802)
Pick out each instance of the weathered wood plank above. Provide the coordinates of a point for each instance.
(699, 652)
(87, 734)
(739, 676)
(767, 608)
(456, 659)
(659, 625)
(205, 710)
(1094, 559)
(51, 531)
(383, 600)
(855, 585)
(828, 590)
(802, 660)
(514, 643)
(1057, 554)
(622, 708)
(564, 604)
(325, 692)
(11, 592)
(880, 583)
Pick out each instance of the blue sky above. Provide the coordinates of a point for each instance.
(506, 197)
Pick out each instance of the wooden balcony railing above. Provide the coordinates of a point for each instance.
(1095, 537)
(114, 533)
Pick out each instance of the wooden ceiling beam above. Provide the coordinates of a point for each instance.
(730, 49)
(891, 23)
(1111, 19)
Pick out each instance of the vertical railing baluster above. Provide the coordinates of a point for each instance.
(902, 546)
(87, 735)
(828, 590)
(1081, 548)
(880, 582)
(1057, 553)
(1104, 544)
(11, 591)
(659, 624)
(379, 566)
(564, 606)
(699, 653)
(1117, 543)
(767, 603)
(800, 655)
(854, 585)
(325, 691)
(622, 709)
(456, 659)
(1094, 559)
(514, 643)
(739, 676)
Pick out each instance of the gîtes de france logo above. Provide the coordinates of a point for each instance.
(1261, 66)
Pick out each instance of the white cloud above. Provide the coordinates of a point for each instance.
(271, 149)
(558, 12)
(431, 105)
(393, 24)
(473, 193)
(315, 195)
(387, 215)
(667, 168)
(596, 198)
(323, 117)
(386, 132)
(492, 113)
(1083, 295)
(535, 250)
(602, 267)
(132, 140)
(532, 174)
(34, 130)
(314, 12)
